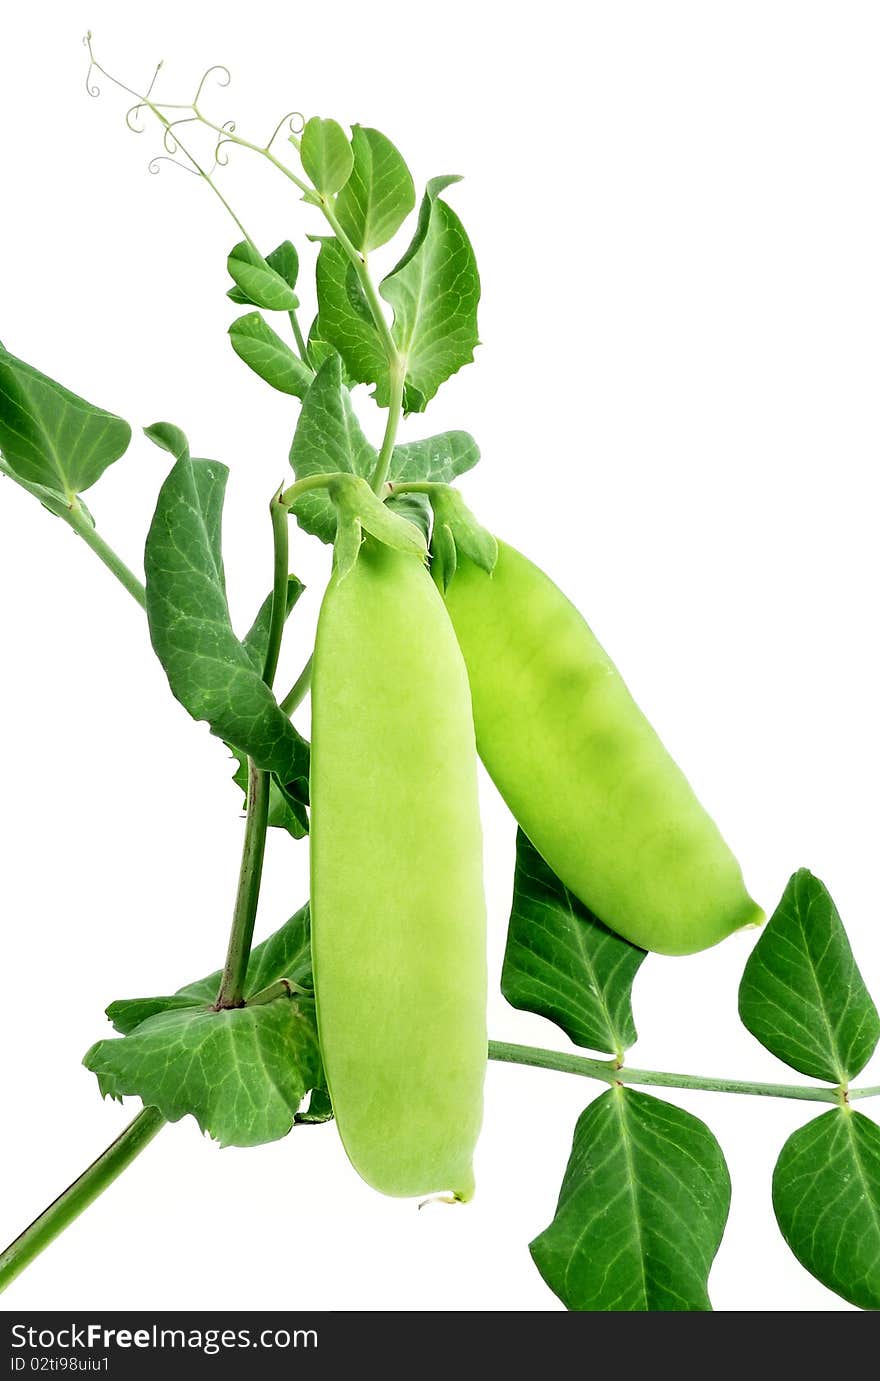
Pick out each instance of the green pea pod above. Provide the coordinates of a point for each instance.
(583, 771)
(398, 916)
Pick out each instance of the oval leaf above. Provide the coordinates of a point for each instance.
(378, 195)
(284, 260)
(802, 995)
(641, 1212)
(345, 322)
(826, 1196)
(262, 285)
(439, 459)
(254, 341)
(49, 436)
(563, 963)
(208, 669)
(326, 155)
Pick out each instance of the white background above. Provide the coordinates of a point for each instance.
(676, 214)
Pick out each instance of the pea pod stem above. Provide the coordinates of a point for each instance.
(610, 1073)
(299, 690)
(281, 567)
(79, 1195)
(72, 514)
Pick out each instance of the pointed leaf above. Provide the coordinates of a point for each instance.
(328, 440)
(51, 437)
(208, 669)
(378, 195)
(326, 155)
(263, 351)
(262, 285)
(563, 963)
(802, 995)
(641, 1212)
(345, 321)
(826, 1196)
(434, 291)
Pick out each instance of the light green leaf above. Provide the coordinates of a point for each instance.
(263, 350)
(439, 459)
(434, 290)
(262, 285)
(826, 1196)
(328, 440)
(378, 195)
(345, 321)
(168, 438)
(284, 260)
(641, 1212)
(326, 155)
(564, 964)
(802, 995)
(241, 1073)
(208, 669)
(284, 954)
(51, 437)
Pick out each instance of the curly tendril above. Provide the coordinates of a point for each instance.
(222, 159)
(295, 122)
(222, 81)
(153, 165)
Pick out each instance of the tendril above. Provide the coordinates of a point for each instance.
(153, 165)
(220, 159)
(92, 90)
(295, 122)
(171, 143)
(223, 80)
(131, 116)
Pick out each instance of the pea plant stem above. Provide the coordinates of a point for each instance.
(299, 690)
(280, 570)
(395, 403)
(231, 993)
(138, 1135)
(609, 1073)
(77, 1197)
(73, 515)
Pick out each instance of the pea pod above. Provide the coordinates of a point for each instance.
(581, 768)
(398, 916)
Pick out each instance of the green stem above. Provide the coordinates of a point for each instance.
(416, 486)
(299, 690)
(231, 993)
(289, 497)
(77, 1197)
(280, 520)
(74, 516)
(299, 338)
(368, 287)
(610, 1074)
(397, 375)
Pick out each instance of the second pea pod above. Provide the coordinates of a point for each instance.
(581, 768)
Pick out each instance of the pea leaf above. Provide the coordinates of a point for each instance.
(241, 1073)
(802, 995)
(263, 351)
(284, 261)
(436, 458)
(261, 284)
(209, 670)
(284, 954)
(826, 1196)
(641, 1212)
(328, 439)
(378, 195)
(345, 321)
(285, 811)
(320, 1109)
(49, 436)
(434, 290)
(326, 155)
(563, 963)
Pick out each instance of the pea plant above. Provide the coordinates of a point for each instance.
(436, 643)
